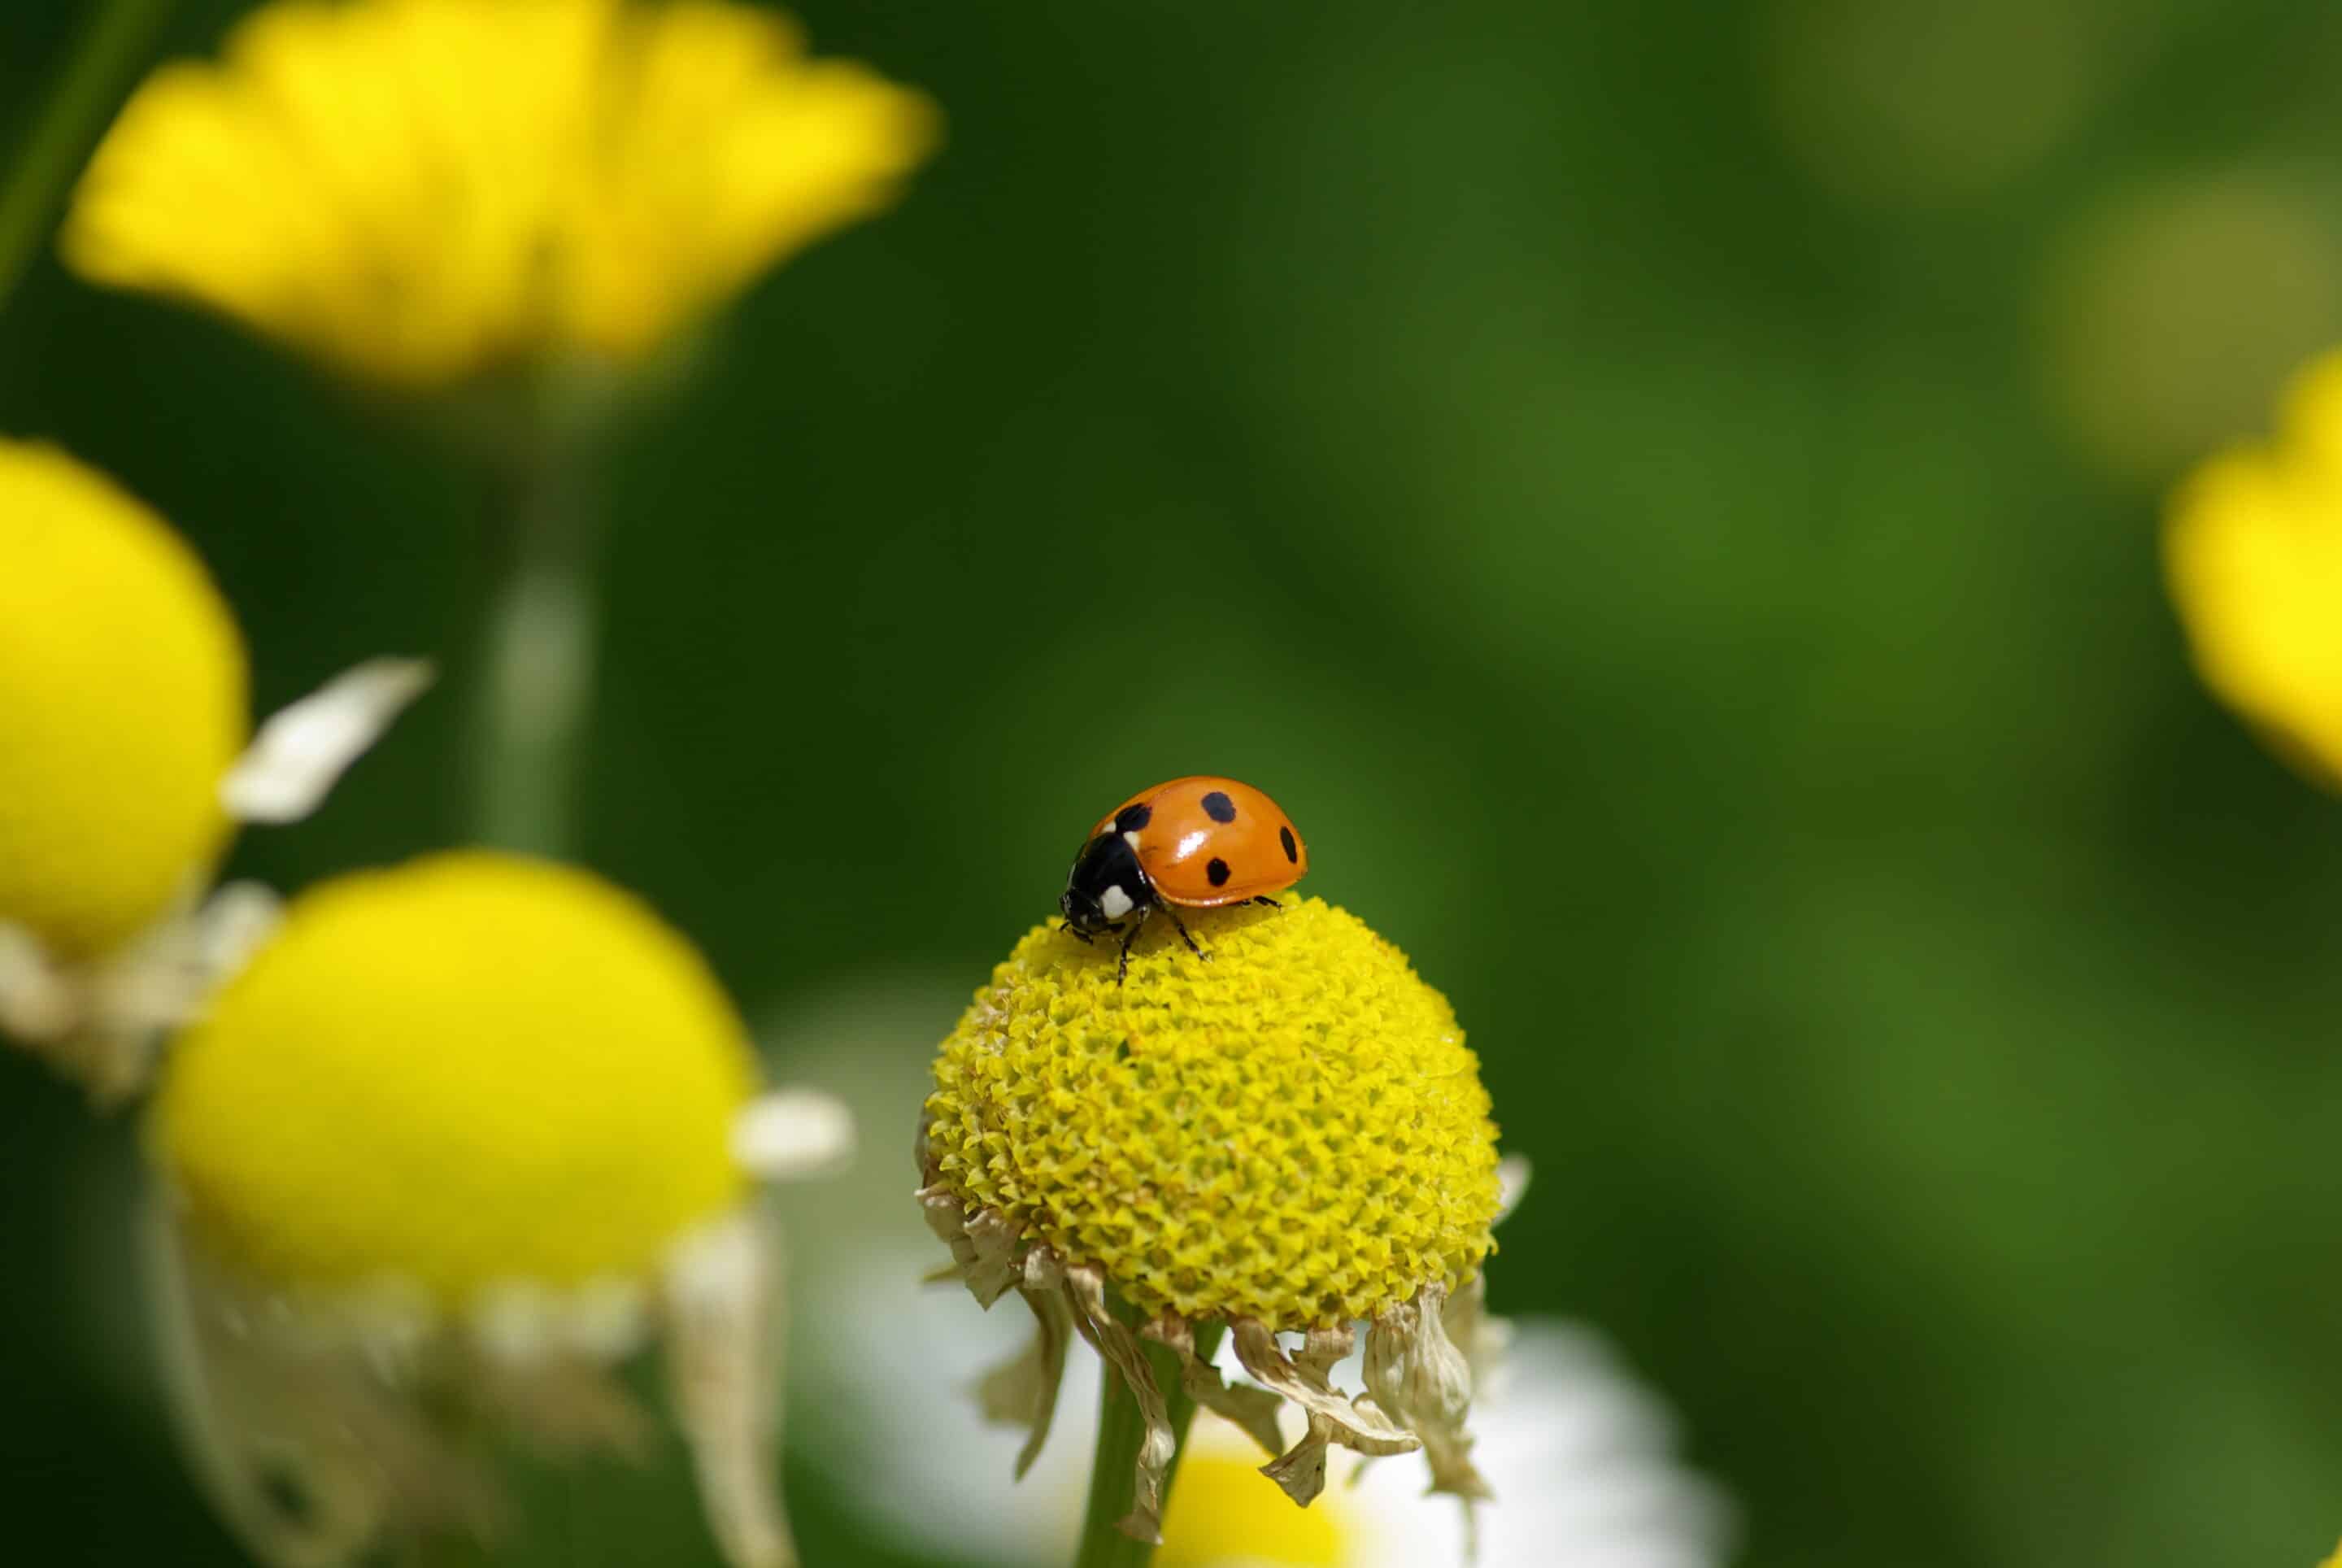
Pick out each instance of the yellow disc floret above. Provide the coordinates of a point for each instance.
(123, 693)
(1292, 1132)
(473, 1070)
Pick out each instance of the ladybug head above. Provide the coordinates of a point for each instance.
(1105, 888)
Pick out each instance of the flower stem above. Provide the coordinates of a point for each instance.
(1121, 1431)
(539, 670)
(113, 43)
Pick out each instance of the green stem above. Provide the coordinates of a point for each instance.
(538, 679)
(1121, 1431)
(60, 137)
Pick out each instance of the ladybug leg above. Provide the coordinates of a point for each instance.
(1122, 970)
(1264, 898)
(1067, 927)
(1181, 926)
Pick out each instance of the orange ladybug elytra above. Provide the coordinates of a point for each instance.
(1201, 841)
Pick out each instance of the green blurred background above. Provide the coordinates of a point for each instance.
(1665, 494)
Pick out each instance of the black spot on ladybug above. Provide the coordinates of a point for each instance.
(1217, 869)
(1131, 819)
(1292, 850)
(1219, 808)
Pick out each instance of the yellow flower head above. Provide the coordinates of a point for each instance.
(1294, 1132)
(2253, 551)
(1288, 1137)
(122, 678)
(460, 1137)
(418, 190)
(470, 1071)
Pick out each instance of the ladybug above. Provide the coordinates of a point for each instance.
(1202, 842)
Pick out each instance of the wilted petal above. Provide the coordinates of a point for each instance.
(1483, 1338)
(723, 1301)
(1024, 1392)
(1115, 1342)
(1304, 1382)
(313, 1459)
(984, 1245)
(37, 1004)
(231, 926)
(1421, 1378)
(1253, 1409)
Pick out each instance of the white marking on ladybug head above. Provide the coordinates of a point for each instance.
(1131, 838)
(1114, 903)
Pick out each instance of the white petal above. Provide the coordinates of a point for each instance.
(1513, 1180)
(792, 1133)
(303, 750)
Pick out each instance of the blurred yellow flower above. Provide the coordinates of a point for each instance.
(123, 676)
(466, 1134)
(2252, 552)
(1216, 1515)
(1289, 1137)
(420, 190)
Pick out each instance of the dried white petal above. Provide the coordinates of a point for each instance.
(1482, 1338)
(312, 1459)
(1022, 1391)
(101, 1021)
(37, 1002)
(1300, 1471)
(301, 750)
(232, 925)
(984, 1245)
(1333, 1416)
(1252, 1409)
(1111, 1340)
(1422, 1380)
(512, 1323)
(945, 1217)
(605, 1320)
(94, 1026)
(793, 1133)
(723, 1298)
